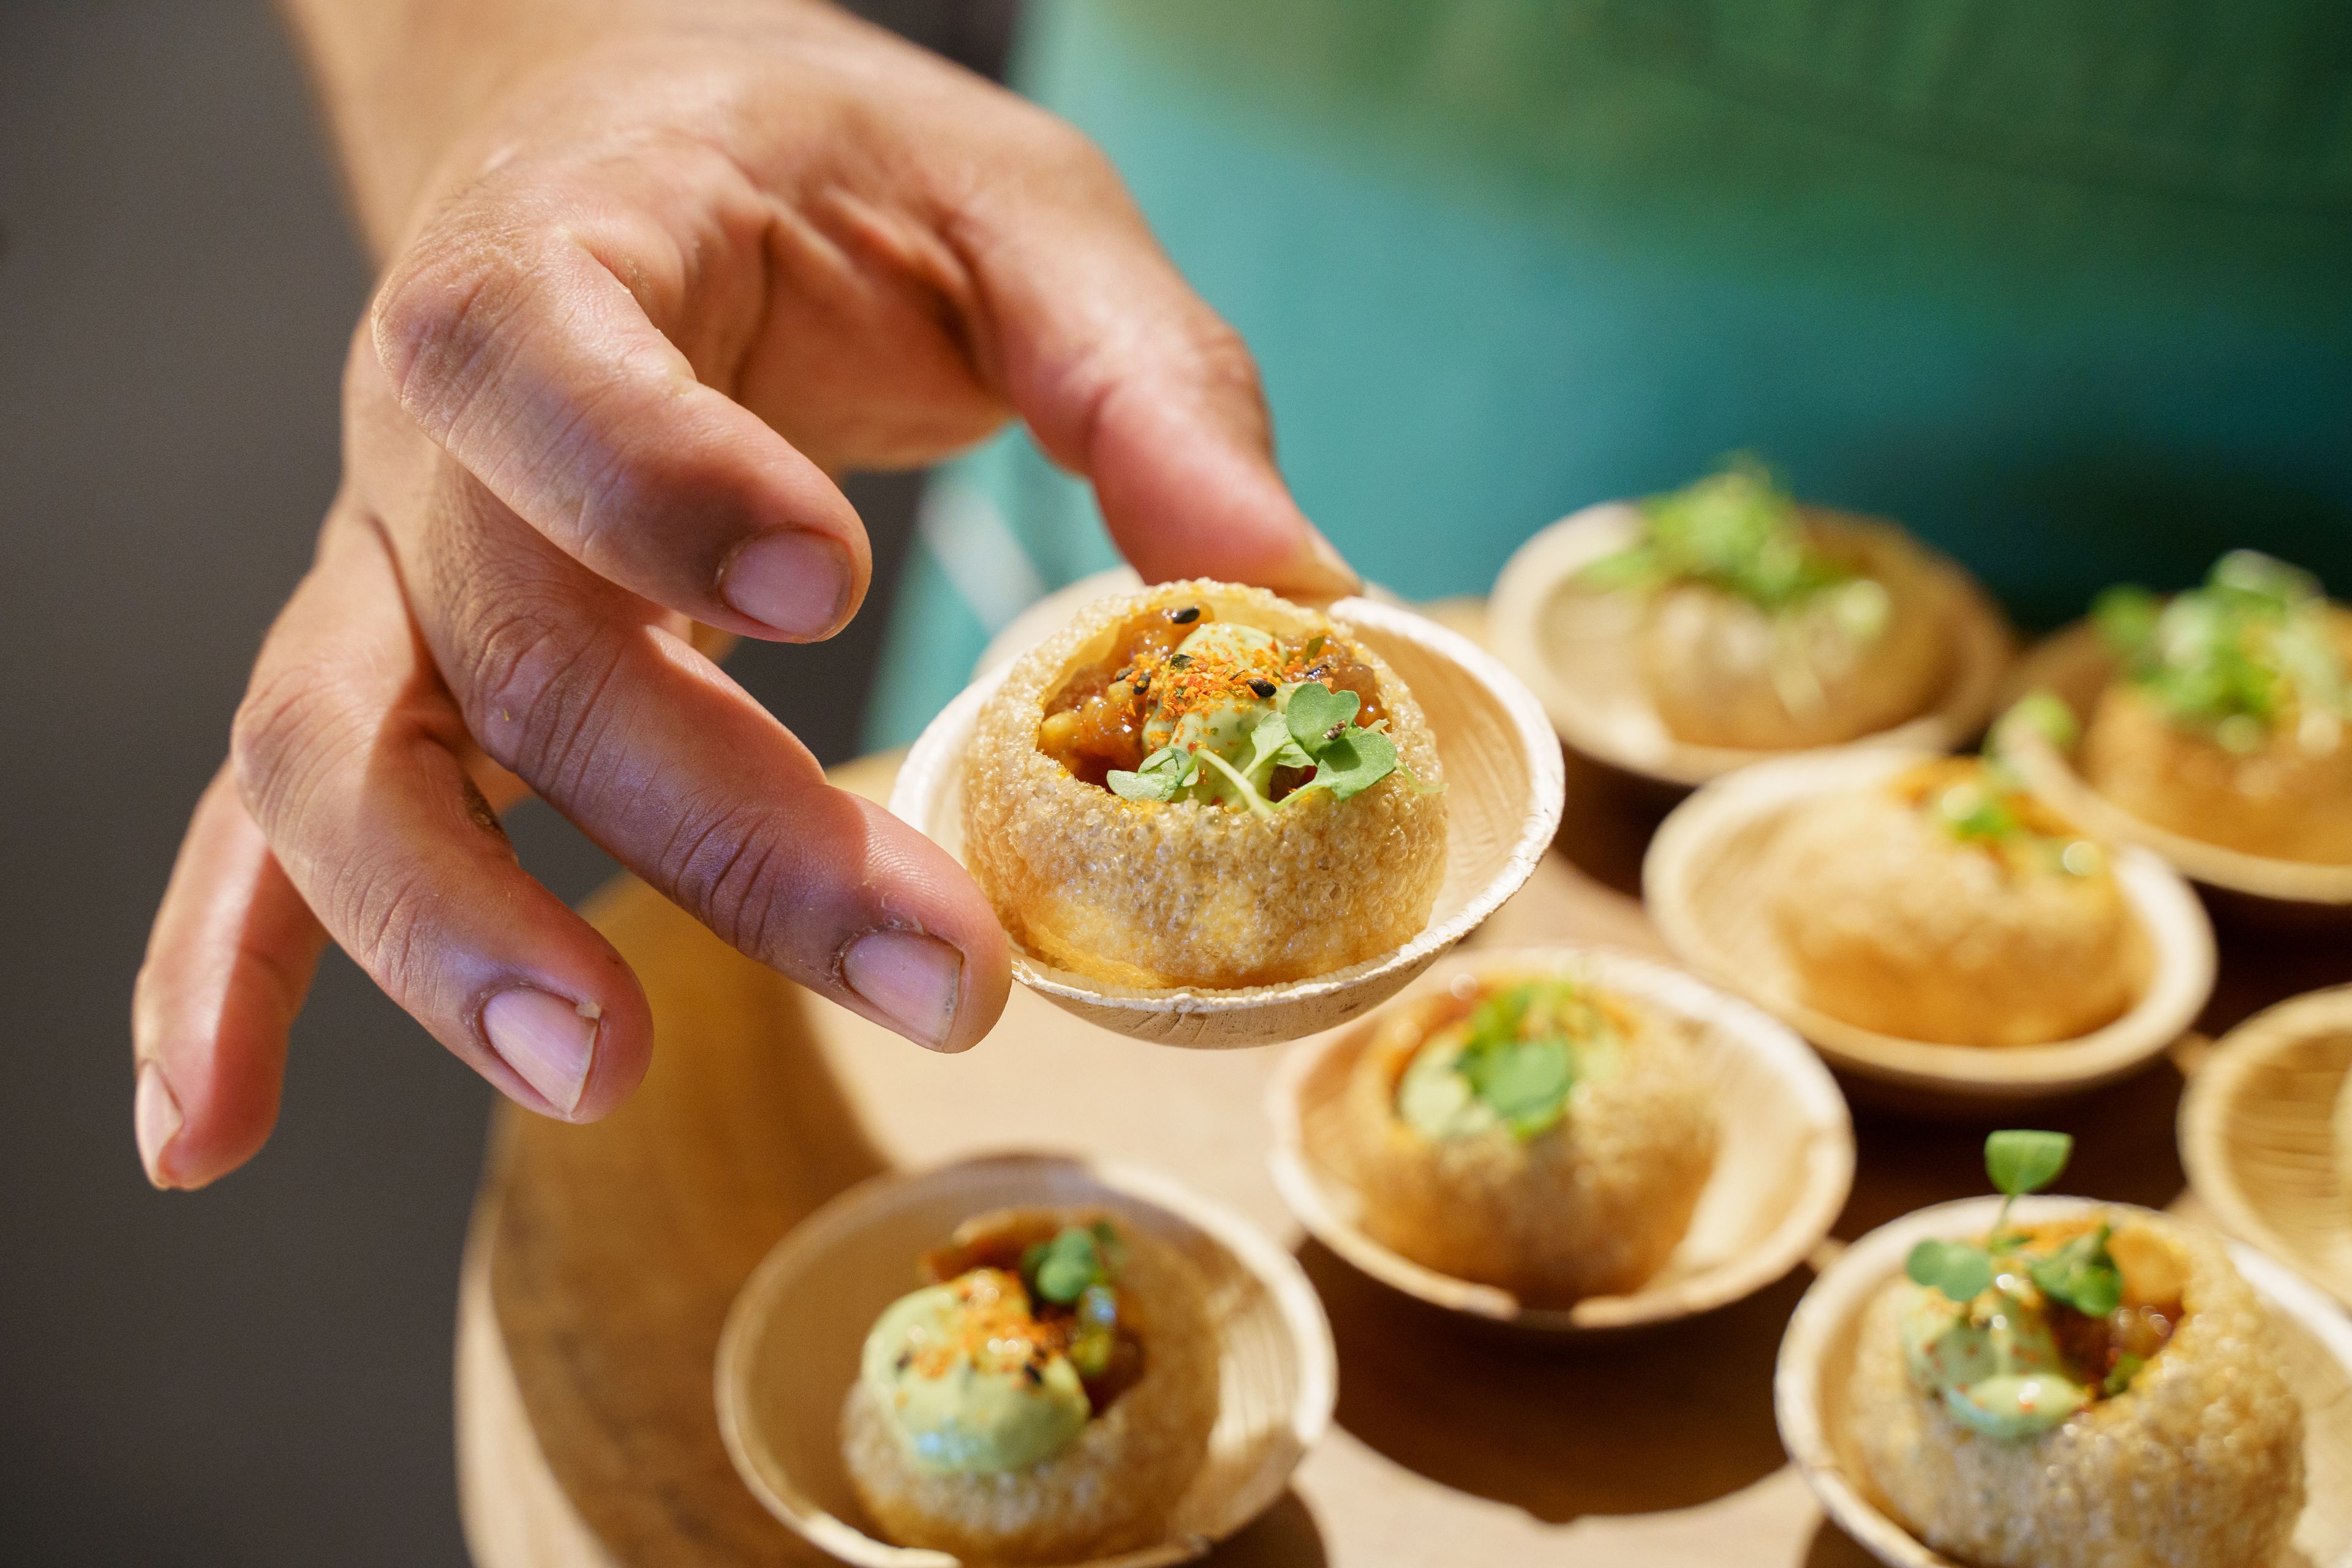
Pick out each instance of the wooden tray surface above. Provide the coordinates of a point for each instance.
(603, 1259)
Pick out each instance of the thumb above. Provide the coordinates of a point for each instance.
(1128, 378)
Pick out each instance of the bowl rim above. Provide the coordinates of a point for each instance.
(1301, 1311)
(2052, 665)
(1984, 650)
(932, 765)
(2213, 1089)
(2182, 970)
(1838, 1294)
(1821, 1197)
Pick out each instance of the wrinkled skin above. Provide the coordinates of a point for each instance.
(654, 273)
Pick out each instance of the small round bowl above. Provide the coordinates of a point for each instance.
(1504, 783)
(1708, 881)
(1817, 1355)
(1584, 669)
(788, 1353)
(2260, 1139)
(1781, 1174)
(2074, 666)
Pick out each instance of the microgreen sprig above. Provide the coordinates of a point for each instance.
(1519, 1058)
(1313, 728)
(2082, 1273)
(2235, 656)
(1735, 529)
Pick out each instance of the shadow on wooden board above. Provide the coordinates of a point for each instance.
(1561, 1428)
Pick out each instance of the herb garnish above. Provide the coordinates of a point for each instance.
(1736, 530)
(2236, 658)
(2082, 1273)
(1519, 1055)
(1315, 728)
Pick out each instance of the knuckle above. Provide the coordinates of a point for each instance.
(725, 864)
(382, 913)
(536, 684)
(1225, 363)
(290, 733)
(444, 322)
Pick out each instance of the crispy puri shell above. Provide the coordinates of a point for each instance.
(1706, 654)
(1591, 1207)
(2279, 800)
(1111, 1490)
(1890, 925)
(1152, 893)
(2198, 1465)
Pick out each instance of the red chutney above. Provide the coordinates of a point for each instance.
(1095, 722)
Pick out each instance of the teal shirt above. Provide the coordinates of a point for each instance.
(2066, 289)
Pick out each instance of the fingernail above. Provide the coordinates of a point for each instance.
(795, 583)
(547, 1039)
(154, 1121)
(911, 977)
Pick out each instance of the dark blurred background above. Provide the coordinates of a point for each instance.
(258, 1373)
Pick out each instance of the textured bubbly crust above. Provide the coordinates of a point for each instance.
(1111, 1490)
(1591, 1207)
(1890, 925)
(1154, 894)
(2198, 1465)
(2279, 800)
(1706, 655)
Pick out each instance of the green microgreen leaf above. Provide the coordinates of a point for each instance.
(2126, 617)
(1064, 1270)
(1352, 762)
(2082, 1274)
(2021, 1161)
(1271, 746)
(2042, 713)
(1315, 710)
(1525, 1081)
(1736, 530)
(1971, 811)
(1961, 1269)
(2126, 1367)
(1162, 776)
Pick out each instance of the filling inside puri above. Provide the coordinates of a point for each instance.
(1186, 706)
(2252, 658)
(1017, 1342)
(2071, 1314)
(1738, 534)
(1980, 805)
(1509, 1056)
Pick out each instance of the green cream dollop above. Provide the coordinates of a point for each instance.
(1992, 1361)
(962, 1400)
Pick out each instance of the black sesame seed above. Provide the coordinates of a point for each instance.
(906, 1360)
(1179, 660)
(1185, 616)
(1127, 674)
(1029, 1370)
(1263, 687)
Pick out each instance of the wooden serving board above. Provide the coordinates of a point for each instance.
(603, 1259)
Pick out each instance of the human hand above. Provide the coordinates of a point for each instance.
(665, 281)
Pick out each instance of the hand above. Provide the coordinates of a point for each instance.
(666, 280)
